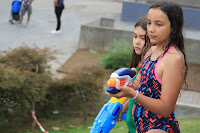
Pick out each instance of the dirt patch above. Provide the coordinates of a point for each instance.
(80, 59)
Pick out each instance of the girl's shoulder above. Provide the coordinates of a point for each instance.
(174, 55)
(174, 58)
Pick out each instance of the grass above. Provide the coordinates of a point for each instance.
(76, 124)
(80, 126)
(186, 126)
(189, 125)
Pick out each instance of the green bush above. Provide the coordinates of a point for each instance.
(29, 59)
(10, 99)
(119, 56)
(26, 85)
(77, 90)
(25, 77)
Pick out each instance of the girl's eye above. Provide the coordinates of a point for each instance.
(159, 25)
(148, 23)
(143, 38)
(134, 36)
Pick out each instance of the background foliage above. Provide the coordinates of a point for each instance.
(119, 56)
(26, 85)
(24, 80)
(77, 90)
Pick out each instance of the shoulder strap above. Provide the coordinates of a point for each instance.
(168, 51)
(159, 80)
(153, 51)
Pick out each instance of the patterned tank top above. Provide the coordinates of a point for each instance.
(150, 85)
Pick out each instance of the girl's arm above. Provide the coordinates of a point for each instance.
(172, 80)
(136, 82)
(123, 110)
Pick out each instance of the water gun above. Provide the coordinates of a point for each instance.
(108, 116)
(121, 77)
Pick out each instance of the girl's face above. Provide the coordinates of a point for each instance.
(158, 26)
(138, 39)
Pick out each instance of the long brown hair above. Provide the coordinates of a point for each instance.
(135, 58)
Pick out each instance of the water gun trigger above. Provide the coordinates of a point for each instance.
(112, 90)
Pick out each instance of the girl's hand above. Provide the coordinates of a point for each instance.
(123, 110)
(124, 92)
(134, 86)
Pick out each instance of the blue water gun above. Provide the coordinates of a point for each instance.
(108, 116)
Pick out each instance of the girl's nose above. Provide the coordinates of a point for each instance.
(150, 28)
(137, 41)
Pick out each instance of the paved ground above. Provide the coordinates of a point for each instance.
(77, 12)
(43, 20)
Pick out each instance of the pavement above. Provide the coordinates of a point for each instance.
(76, 12)
(43, 20)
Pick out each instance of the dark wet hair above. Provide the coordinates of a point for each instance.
(175, 16)
(135, 58)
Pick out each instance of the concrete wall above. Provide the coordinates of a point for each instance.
(132, 11)
(102, 22)
(192, 50)
(193, 77)
(99, 37)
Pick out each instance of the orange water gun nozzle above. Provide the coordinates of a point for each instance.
(111, 82)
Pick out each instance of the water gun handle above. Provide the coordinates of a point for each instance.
(124, 116)
(112, 90)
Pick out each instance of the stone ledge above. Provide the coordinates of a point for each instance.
(183, 110)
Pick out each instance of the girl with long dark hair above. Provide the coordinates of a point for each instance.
(163, 71)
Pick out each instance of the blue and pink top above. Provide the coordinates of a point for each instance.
(150, 85)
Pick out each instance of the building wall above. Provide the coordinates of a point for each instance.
(132, 11)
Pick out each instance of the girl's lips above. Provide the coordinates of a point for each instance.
(136, 48)
(151, 36)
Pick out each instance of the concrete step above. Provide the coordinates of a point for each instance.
(189, 98)
(188, 105)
